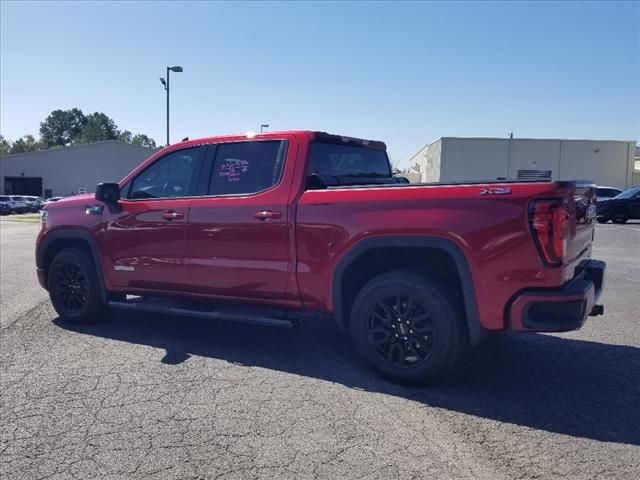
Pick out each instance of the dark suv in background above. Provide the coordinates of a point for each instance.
(621, 208)
(604, 194)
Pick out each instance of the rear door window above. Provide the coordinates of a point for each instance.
(245, 168)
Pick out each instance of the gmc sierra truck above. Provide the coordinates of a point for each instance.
(269, 228)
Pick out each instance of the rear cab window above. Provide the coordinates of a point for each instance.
(348, 164)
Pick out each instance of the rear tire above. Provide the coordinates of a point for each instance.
(73, 287)
(407, 328)
(620, 216)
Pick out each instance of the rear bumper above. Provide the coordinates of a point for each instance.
(560, 310)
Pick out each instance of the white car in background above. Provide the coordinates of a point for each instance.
(18, 204)
(34, 204)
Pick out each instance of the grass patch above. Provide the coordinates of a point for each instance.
(35, 218)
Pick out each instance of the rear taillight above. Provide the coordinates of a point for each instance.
(549, 220)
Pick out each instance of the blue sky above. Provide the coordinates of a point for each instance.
(406, 73)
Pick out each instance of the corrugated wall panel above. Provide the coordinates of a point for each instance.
(473, 159)
(606, 163)
(534, 155)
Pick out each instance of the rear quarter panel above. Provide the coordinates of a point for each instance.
(492, 232)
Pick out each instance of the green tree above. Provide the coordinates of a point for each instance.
(62, 127)
(25, 144)
(98, 127)
(5, 146)
(143, 140)
(125, 136)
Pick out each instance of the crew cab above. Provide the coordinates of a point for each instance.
(270, 228)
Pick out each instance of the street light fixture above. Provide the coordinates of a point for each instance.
(263, 126)
(165, 83)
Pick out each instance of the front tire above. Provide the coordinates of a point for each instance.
(602, 219)
(620, 216)
(73, 287)
(406, 327)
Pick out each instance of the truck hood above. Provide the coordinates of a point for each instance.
(76, 200)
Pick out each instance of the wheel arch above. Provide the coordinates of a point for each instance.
(57, 240)
(427, 245)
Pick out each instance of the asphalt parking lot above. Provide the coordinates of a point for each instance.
(161, 397)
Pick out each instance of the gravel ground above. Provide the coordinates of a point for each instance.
(158, 397)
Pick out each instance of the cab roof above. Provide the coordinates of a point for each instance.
(309, 134)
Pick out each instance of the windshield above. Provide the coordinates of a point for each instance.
(350, 161)
(629, 193)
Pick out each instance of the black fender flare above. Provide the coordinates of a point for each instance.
(474, 328)
(73, 234)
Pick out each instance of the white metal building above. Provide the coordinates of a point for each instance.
(606, 162)
(69, 170)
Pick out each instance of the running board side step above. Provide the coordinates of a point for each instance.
(241, 317)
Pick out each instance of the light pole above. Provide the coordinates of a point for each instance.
(263, 126)
(166, 87)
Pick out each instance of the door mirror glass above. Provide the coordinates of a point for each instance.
(108, 193)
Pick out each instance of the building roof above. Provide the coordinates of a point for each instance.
(540, 139)
(428, 144)
(80, 145)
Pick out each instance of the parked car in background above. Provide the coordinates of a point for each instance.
(34, 204)
(18, 204)
(621, 208)
(5, 205)
(604, 194)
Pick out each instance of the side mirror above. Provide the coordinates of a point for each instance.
(315, 182)
(401, 179)
(108, 193)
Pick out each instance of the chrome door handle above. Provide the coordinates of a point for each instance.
(171, 215)
(267, 215)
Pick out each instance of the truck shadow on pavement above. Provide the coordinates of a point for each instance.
(573, 387)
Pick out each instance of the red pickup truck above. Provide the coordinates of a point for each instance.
(268, 228)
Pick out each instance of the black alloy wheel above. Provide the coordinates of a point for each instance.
(620, 215)
(70, 288)
(400, 330)
(407, 326)
(73, 287)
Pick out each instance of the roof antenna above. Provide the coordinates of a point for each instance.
(184, 139)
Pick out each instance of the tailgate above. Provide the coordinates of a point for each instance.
(562, 222)
(582, 212)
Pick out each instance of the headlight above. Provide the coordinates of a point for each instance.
(44, 213)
